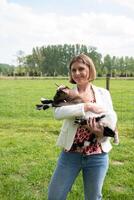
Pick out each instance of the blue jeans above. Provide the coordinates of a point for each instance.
(94, 168)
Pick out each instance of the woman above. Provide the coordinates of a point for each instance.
(84, 148)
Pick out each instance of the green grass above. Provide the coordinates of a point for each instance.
(28, 153)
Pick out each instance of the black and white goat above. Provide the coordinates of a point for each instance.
(64, 96)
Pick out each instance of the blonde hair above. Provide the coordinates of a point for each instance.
(82, 58)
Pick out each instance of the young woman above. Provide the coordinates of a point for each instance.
(81, 150)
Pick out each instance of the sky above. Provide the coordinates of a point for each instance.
(107, 25)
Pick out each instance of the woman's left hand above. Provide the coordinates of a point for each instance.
(95, 127)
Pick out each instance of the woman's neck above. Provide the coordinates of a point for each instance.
(84, 88)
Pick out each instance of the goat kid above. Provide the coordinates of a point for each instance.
(65, 96)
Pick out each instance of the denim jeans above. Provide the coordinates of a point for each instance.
(94, 168)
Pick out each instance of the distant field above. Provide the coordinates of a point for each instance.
(27, 141)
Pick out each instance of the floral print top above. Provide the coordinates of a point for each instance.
(85, 142)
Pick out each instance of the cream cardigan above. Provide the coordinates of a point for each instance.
(68, 114)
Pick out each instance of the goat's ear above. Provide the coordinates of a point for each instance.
(60, 87)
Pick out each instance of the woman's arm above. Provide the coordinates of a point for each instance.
(69, 111)
(77, 110)
(111, 117)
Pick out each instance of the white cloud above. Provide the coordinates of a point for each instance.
(126, 3)
(22, 29)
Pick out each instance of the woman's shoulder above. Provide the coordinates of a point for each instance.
(100, 89)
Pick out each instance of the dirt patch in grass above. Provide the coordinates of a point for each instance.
(117, 162)
(118, 188)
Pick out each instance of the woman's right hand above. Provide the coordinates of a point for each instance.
(93, 107)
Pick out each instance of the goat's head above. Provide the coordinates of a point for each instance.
(62, 95)
(65, 95)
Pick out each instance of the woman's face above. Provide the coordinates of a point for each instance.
(80, 73)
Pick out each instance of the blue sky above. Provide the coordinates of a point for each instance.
(106, 24)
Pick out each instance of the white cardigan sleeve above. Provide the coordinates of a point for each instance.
(69, 111)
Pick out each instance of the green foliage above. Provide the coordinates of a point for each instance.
(28, 153)
(6, 69)
(52, 60)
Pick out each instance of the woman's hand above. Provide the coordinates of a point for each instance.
(93, 107)
(96, 127)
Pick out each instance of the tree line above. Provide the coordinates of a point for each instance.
(53, 60)
(6, 69)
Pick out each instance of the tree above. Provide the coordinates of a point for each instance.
(21, 60)
(108, 63)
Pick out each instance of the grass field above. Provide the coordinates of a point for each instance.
(27, 142)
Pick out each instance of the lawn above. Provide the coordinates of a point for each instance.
(28, 153)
